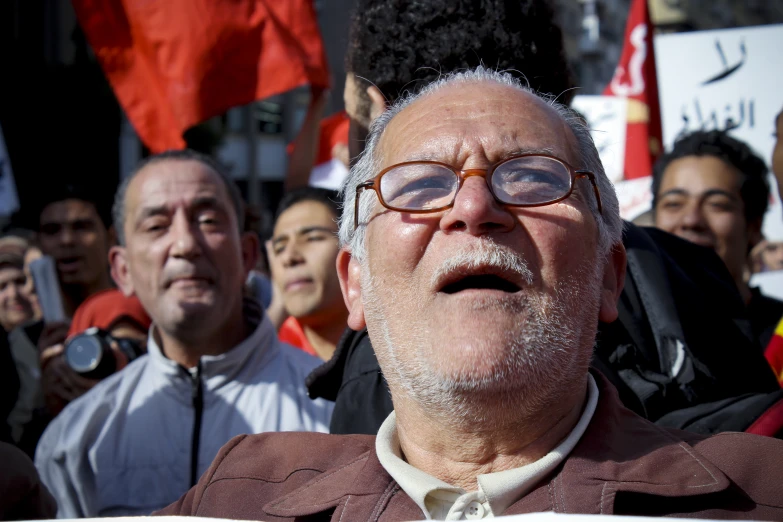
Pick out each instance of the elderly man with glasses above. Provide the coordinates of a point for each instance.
(482, 250)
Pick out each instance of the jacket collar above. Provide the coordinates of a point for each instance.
(217, 370)
(358, 488)
(619, 451)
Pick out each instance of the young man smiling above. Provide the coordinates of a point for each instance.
(712, 190)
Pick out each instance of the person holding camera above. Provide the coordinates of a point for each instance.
(214, 366)
(108, 331)
(75, 234)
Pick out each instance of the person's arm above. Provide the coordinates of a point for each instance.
(302, 159)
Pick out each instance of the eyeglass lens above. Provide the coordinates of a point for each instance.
(529, 180)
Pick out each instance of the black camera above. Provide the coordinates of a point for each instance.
(90, 354)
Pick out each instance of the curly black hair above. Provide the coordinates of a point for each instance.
(754, 188)
(395, 44)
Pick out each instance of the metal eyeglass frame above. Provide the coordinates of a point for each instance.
(374, 184)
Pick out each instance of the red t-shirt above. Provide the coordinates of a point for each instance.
(291, 332)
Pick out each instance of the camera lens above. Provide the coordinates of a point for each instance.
(84, 353)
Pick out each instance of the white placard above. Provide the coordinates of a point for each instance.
(770, 283)
(634, 196)
(724, 79)
(329, 175)
(9, 201)
(606, 117)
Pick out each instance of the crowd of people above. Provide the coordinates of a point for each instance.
(467, 329)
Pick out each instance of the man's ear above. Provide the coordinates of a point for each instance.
(613, 282)
(377, 102)
(251, 250)
(119, 269)
(349, 273)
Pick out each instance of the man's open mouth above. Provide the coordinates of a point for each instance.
(480, 282)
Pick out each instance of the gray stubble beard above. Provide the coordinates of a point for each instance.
(547, 356)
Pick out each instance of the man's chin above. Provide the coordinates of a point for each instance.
(196, 306)
(190, 318)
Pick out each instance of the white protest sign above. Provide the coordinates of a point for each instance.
(634, 196)
(770, 283)
(605, 116)
(9, 201)
(727, 79)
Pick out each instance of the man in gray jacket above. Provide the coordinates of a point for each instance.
(215, 369)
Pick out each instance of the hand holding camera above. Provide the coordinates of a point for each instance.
(96, 354)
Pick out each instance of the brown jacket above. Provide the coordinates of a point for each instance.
(622, 465)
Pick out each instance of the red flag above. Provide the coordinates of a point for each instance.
(175, 63)
(635, 79)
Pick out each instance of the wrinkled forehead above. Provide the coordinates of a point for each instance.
(303, 215)
(471, 124)
(175, 182)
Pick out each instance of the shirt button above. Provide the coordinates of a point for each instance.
(474, 511)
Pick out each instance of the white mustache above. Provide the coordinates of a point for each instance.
(485, 255)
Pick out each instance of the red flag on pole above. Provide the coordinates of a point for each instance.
(175, 63)
(635, 80)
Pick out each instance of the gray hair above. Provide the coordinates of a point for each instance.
(118, 209)
(610, 225)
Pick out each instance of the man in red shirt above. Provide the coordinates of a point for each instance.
(302, 255)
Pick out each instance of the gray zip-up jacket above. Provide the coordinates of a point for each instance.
(139, 439)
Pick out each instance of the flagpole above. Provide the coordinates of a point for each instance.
(253, 190)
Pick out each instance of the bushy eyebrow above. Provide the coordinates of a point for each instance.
(200, 203)
(430, 156)
(519, 152)
(151, 211)
(705, 194)
(207, 202)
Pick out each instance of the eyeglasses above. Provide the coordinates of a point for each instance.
(526, 180)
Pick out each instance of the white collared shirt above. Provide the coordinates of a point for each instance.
(496, 491)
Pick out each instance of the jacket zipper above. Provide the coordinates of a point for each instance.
(197, 394)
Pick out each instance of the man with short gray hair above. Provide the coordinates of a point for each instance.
(214, 368)
(482, 247)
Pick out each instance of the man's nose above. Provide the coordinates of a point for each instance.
(292, 255)
(185, 243)
(476, 211)
(66, 235)
(693, 216)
